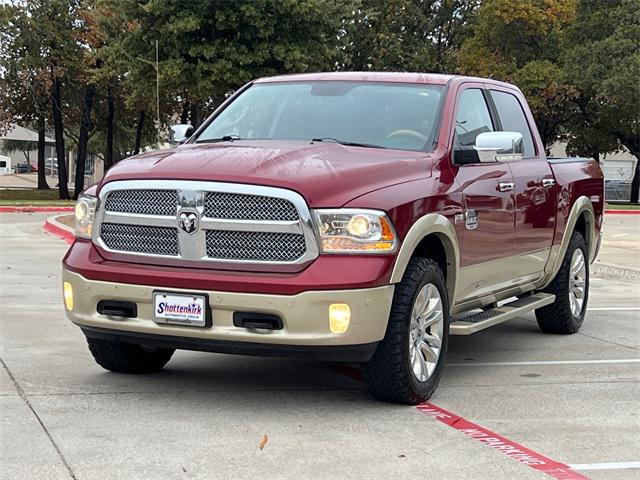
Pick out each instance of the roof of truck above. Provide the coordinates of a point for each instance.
(400, 77)
(395, 77)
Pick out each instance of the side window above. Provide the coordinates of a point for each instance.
(513, 119)
(472, 117)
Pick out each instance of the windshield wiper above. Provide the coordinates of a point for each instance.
(224, 138)
(343, 142)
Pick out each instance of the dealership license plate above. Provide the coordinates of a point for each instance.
(180, 309)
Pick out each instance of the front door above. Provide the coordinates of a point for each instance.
(487, 188)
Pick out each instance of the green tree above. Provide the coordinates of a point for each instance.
(519, 41)
(24, 80)
(211, 47)
(603, 62)
(406, 35)
(22, 146)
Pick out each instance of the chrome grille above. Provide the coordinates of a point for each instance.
(237, 226)
(248, 207)
(140, 239)
(259, 246)
(145, 202)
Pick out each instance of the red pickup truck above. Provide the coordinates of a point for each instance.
(355, 217)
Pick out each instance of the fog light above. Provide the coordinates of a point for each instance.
(68, 295)
(339, 317)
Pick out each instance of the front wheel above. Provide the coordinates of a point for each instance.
(571, 288)
(128, 357)
(409, 361)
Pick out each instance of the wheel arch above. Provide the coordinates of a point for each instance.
(581, 218)
(432, 236)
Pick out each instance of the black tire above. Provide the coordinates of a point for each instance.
(389, 375)
(127, 357)
(558, 317)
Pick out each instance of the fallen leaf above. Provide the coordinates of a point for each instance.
(263, 441)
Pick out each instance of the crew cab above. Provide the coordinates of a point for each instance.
(351, 217)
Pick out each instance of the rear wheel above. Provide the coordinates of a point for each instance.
(408, 363)
(128, 357)
(571, 288)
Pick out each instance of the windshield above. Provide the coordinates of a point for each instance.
(385, 115)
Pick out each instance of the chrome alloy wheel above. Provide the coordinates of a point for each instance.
(426, 330)
(577, 282)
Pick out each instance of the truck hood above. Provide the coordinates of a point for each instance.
(326, 174)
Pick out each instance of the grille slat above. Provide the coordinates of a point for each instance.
(258, 246)
(145, 202)
(237, 206)
(140, 239)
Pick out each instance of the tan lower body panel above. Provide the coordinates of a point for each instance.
(305, 316)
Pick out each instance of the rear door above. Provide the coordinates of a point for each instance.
(488, 219)
(534, 183)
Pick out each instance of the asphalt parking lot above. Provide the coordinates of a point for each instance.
(574, 399)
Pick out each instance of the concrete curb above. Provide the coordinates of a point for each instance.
(58, 229)
(33, 209)
(614, 272)
(598, 269)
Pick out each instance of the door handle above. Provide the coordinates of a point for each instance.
(548, 182)
(506, 186)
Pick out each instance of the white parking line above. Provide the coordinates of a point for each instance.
(544, 362)
(599, 309)
(605, 466)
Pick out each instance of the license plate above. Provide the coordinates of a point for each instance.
(180, 309)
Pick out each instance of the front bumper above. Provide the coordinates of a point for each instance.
(304, 316)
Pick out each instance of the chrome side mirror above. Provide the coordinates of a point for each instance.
(180, 133)
(499, 147)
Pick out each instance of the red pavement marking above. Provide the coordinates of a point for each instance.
(513, 450)
(32, 209)
(59, 232)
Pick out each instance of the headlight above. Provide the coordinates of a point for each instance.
(346, 230)
(85, 211)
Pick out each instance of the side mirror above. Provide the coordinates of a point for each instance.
(180, 133)
(499, 147)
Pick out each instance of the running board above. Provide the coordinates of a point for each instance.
(489, 318)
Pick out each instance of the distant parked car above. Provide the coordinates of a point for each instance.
(22, 168)
(34, 168)
(617, 189)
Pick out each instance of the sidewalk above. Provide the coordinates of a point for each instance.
(19, 180)
(619, 255)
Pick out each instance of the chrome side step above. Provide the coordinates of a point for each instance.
(488, 318)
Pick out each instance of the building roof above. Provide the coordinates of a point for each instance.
(17, 132)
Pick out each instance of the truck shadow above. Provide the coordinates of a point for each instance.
(239, 378)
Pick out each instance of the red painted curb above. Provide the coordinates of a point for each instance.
(32, 209)
(59, 232)
(622, 212)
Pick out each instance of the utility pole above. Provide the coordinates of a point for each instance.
(157, 94)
